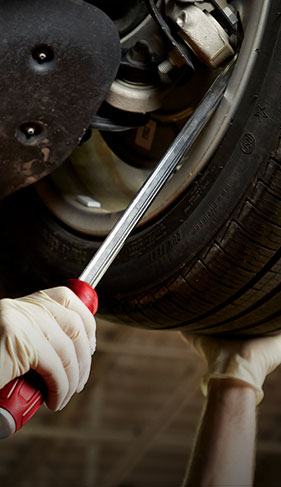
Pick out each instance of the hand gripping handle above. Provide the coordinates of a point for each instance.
(22, 397)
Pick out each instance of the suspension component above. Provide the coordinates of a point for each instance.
(201, 31)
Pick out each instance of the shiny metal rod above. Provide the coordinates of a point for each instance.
(150, 189)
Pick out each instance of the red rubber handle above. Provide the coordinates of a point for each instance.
(23, 396)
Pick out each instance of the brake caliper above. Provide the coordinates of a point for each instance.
(210, 29)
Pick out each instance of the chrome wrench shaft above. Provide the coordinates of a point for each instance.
(112, 245)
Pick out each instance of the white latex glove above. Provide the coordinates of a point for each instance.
(249, 360)
(51, 332)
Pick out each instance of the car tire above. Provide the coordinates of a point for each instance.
(208, 264)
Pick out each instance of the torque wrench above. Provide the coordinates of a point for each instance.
(22, 397)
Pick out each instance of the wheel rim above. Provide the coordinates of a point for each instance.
(89, 191)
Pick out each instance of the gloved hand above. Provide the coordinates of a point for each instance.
(249, 360)
(51, 332)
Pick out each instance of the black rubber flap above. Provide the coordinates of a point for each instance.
(58, 59)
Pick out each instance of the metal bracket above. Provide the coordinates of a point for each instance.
(176, 42)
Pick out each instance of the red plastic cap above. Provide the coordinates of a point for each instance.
(84, 292)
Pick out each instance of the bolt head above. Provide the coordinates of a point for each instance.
(183, 19)
(30, 131)
(42, 56)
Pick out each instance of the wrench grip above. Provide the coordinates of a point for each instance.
(23, 396)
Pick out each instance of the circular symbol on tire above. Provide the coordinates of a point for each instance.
(248, 143)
